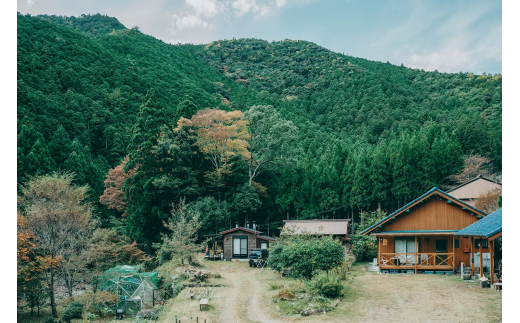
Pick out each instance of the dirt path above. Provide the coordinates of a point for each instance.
(245, 297)
(244, 301)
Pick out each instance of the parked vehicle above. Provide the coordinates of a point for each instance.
(258, 257)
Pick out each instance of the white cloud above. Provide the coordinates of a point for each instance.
(244, 6)
(448, 42)
(30, 3)
(207, 8)
(281, 3)
(260, 7)
(189, 21)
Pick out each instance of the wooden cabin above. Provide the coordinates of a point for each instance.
(238, 242)
(471, 190)
(420, 236)
(486, 229)
(338, 228)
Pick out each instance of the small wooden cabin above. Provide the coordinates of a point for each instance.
(420, 236)
(338, 228)
(471, 190)
(239, 241)
(486, 229)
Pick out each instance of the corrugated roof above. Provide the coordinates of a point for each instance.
(435, 189)
(330, 226)
(486, 227)
(472, 180)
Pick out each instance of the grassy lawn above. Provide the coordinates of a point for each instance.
(371, 297)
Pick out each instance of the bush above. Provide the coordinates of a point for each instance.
(276, 260)
(364, 247)
(327, 285)
(312, 254)
(74, 311)
(50, 319)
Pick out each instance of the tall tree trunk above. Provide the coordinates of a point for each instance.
(51, 293)
(68, 282)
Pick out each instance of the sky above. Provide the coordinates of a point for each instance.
(443, 35)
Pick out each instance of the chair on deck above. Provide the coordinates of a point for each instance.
(424, 260)
(383, 261)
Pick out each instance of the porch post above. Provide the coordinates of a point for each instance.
(472, 258)
(453, 253)
(481, 264)
(416, 254)
(379, 253)
(491, 254)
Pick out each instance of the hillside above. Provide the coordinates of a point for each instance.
(358, 97)
(91, 25)
(365, 127)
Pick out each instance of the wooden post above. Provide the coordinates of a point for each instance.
(481, 264)
(416, 254)
(472, 258)
(453, 253)
(491, 254)
(379, 253)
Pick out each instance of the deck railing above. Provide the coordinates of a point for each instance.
(416, 259)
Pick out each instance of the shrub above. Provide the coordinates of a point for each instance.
(99, 302)
(286, 294)
(276, 259)
(364, 247)
(323, 284)
(50, 319)
(316, 253)
(74, 311)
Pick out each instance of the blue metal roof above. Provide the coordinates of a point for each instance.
(435, 189)
(486, 227)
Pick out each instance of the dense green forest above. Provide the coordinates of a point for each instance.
(365, 134)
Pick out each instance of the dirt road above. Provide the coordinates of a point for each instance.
(244, 302)
(370, 298)
(240, 300)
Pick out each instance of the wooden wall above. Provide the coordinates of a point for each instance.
(228, 242)
(432, 214)
(435, 213)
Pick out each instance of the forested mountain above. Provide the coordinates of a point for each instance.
(369, 134)
(91, 25)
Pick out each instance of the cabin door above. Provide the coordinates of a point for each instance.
(240, 247)
(405, 250)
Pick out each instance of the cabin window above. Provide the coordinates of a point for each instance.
(441, 245)
(456, 243)
(263, 245)
(484, 243)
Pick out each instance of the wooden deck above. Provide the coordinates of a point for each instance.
(417, 261)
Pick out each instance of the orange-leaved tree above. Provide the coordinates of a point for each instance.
(57, 213)
(31, 266)
(221, 135)
(113, 196)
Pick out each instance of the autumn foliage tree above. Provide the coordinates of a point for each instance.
(221, 135)
(58, 215)
(108, 248)
(113, 196)
(474, 165)
(31, 266)
(489, 202)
